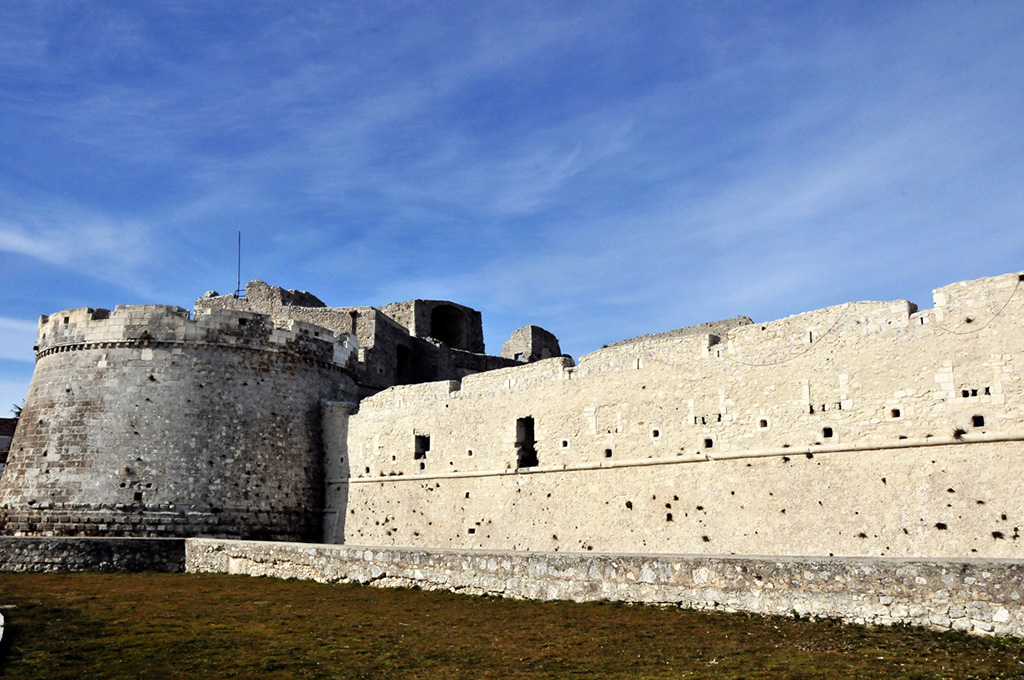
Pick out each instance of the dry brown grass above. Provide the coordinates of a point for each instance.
(210, 626)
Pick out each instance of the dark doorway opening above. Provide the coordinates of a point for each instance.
(526, 454)
(449, 325)
(403, 365)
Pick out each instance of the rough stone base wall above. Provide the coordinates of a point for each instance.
(128, 521)
(979, 596)
(23, 553)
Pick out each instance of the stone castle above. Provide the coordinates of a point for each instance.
(865, 429)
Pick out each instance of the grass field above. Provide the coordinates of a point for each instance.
(158, 626)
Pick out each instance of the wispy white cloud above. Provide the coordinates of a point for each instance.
(108, 249)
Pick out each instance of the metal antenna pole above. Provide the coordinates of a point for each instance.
(238, 283)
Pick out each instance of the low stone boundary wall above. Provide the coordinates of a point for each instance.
(978, 595)
(27, 553)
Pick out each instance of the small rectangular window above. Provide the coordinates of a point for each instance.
(422, 445)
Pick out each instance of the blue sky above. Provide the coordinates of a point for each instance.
(600, 169)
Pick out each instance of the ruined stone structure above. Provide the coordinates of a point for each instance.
(146, 422)
(868, 430)
(142, 421)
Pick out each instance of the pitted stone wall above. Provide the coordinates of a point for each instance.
(142, 422)
(23, 553)
(864, 429)
(979, 596)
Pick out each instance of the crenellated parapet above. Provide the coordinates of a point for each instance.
(167, 325)
(863, 428)
(143, 421)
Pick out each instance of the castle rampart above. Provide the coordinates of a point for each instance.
(868, 428)
(144, 422)
(402, 343)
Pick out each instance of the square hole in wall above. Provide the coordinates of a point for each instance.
(763, 423)
(421, 446)
(655, 433)
(895, 413)
(565, 443)
(708, 443)
(469, 453)
(607, 453)
(826, 432)
(978, 421)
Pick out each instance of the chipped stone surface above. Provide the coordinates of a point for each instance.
(144, 422)
(60, 554)
(869, 428)
(879, 591)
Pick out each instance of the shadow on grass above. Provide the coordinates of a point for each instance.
(216, 626)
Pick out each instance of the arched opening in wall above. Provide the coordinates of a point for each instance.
(526, 453)
(449, 325)
(403, 365)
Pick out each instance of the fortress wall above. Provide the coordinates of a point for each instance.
(979, 596)
(853, 430)
(64, 554)
(143, 422)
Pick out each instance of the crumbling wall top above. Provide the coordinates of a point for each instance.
(154, 324)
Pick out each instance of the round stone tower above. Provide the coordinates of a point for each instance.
(144, 422)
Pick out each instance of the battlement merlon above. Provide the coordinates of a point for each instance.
(167, 324)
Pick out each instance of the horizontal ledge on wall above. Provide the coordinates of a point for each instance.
(774, 452)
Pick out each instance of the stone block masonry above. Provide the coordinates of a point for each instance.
(870, 428)
(62, 554)
(144, 422)
(977, 596)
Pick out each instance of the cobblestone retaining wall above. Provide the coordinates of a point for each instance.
(23, 553)
(980, 596)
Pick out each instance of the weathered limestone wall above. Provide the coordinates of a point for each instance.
(23, 553)
(144, 422)
(531, 343)
(980, 596)
(391, 351)
(864, 429)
